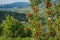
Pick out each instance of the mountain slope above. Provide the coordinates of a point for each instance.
(17, 4)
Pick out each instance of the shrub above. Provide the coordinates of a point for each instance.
(13, 28)
(26, 32)
(1, 29)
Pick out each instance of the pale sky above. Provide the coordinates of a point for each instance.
(11, 1)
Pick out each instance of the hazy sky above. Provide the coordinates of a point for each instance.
(11, 1)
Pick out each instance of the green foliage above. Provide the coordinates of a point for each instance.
(13, 28)
(39, 26)
(1, 29)
(57, 9)
(26, 33)
(35, 2)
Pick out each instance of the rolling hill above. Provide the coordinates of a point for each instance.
(15, 5)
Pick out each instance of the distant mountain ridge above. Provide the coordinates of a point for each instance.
(17, 5)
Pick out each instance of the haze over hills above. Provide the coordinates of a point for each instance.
(15, 5)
